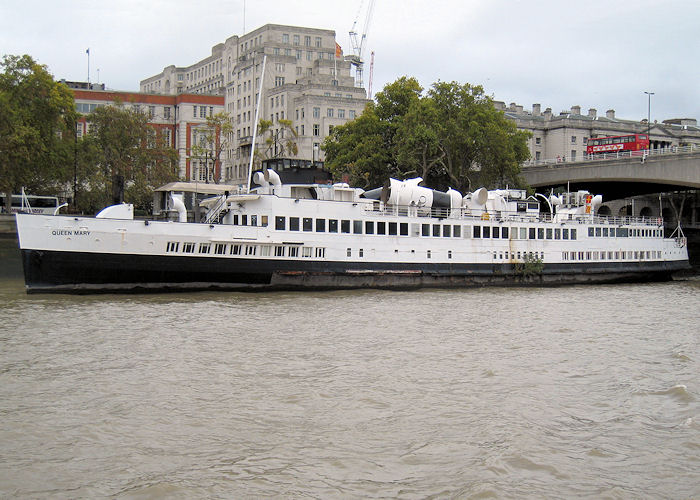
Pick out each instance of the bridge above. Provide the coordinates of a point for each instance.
(620, 175)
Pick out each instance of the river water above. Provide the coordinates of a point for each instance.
(584, 391)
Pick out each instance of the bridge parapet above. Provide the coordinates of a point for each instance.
(618, 155)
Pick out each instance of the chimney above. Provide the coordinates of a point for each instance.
(592, 112)
(575, 110)
(536, 110)
(519, 109)
(512, 107)
(610, 114)
(499, 105)
(548, 114)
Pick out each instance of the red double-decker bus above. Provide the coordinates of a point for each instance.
(613, 144)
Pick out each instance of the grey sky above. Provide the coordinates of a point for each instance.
(596, 54)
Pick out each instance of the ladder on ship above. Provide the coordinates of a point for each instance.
(214, 215)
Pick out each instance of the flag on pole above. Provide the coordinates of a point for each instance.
(338, 51)
(87, 51)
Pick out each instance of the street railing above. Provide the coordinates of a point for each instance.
(618, 155)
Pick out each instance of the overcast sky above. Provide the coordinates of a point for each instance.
(599, 54)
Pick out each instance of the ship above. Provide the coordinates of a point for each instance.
(294, 236)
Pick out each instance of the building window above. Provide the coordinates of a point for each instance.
(573, 155)
(341, 113)
(307, 41)
(279, 81)
(351, 113)
(317, 129)
(573, 139)
(317, 112)
(330, 112)
(538, 140)
(285, 38)
(295, 39)
(318, 41)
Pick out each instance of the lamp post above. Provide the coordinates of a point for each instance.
(649, 111)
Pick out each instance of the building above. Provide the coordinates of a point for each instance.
(182, 119)
(306, 81)
(564, 137)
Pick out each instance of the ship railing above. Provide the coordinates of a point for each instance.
(466, 214)
(214, 215)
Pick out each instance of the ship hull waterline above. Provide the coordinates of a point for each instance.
(49, 271)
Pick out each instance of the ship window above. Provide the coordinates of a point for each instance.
(436, 230)
(598, 232)
(235, 249)
(588, 255)
(344, 226)
(235, 219)
(349, 252)
(415, 229)
(573, 255)
(477, 231)
(605, 232)
(308, 224)
(504, 233)
(320, 252)
(602, 255)
(622, 232)
(250, 249)
(279, 251)
(591, 232)
(362, 252)
(369, 227)
(449, 254)
(427, 254)
(540, 233)
(403, 229)
(294, 251)
(265, 250)
(220, 248)
(306, 251)
(518, 255)
(332, 225)
(457, 231)
(357, 227)
(204, 247)
(573, 234)
(188, 247)
(580, 256)
(565, 256)
(486, 232)
(294, 223)
(549, 233)
(565, 234)
(392, 228)
(253, 220)
(523, 233)
(557, 234)
(263, 220)
(280, 223)
(381, 227)
(244, 220)
(532, 233)
(425, 229)
(496, 232)
(172, 246)
(320, 225)
(446, 231)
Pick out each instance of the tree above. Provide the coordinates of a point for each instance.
(131, 155)
(213, 140)
(37, 118)
(364, 150)
(278, 142)
(452, 136)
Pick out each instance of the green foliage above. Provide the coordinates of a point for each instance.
(122, 158)
(214, 139)
(451, 136)
(37, 118)
(530, 266)
(278, 141)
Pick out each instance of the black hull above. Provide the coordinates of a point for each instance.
(74, 272)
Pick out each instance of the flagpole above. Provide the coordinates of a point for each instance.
(88, 54)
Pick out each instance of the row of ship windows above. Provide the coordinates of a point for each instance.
(249, 250)
(309, 224)
(623, 232)
(616, 255)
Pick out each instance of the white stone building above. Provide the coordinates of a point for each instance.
(564, 137)
(305, 82)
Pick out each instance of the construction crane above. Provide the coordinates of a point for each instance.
(358, 44)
